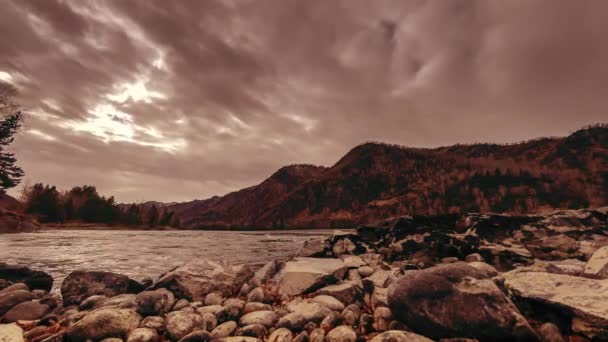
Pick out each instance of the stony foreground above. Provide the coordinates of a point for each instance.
(450, 278)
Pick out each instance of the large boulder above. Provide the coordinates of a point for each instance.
(304, 275)
(456, 300)
(79, 285)
(35, 280)
(104, 323)
(10, 299)
(200, 277)
(584, 300)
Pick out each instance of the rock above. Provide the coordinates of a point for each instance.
(214, 298)
(312, 312)
(343, 246)
(26, 311)
(304, 275)
(224, 330)
(11, 333)
(152, 322)
(281, 335)
(329, 301)
(245, 288)
(341, 334)
(196, 279)
(352, 261)
(209, 321)
(301, 337)
(229, 313)
(475, 257)
(180, 304)
(317, 335)
(214, 309)
(365, 271)
(382, 318)
(39, 294)
(265, 318)
(351, 315)
(256, 295)
(179, 324)
(312, 248)
(112, 339)
(488, 270)
(157, 302)
(379, 297)
(235, 302)
(292, 321)
(549, 332)
(380, 278)
(80, 285)
(35, 280)
(265, 273)
(125, 301)
(344, 292)
(143, 335)
(310, 326)
(14, 287)
(399, 336)
(92, 302)
(237, 339)
(197, 336)
(572, 267)
(597, 266)
(12, 298)
(331, 321)
(116, 323)
(456, 300)
(252, 330)
(34, 332)
(449, 260)
(586, 300)
(253, 306)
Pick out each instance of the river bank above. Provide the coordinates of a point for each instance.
(476, 277)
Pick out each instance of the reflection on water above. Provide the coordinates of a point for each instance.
(140, 254)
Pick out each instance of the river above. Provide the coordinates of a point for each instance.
(141, 254)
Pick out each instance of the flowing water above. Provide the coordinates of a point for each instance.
(141, 254)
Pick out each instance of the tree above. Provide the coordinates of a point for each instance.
(153, 216)
(10, 173)
(44, 201)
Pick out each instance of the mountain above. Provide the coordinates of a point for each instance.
(375, 181)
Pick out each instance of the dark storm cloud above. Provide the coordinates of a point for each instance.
(173, 100)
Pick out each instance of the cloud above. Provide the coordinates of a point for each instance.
(188, 99)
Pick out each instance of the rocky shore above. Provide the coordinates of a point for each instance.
(448, 278)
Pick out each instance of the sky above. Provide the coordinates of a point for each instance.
(177, 100)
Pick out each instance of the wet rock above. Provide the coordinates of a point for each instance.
(456, 300)
(281, 335)
(214, 298)
(26, 311)
(597, 266)
(549, 332)
(253, 306)
(317, 335)
(92, 302)
(344, 292)
(143, 335)
(382, 318)
(224, 330)
(197, 336)
(152, 322)
(331, 321)
(179, 324)
(399, 336)
(12, 298)
(35, 280)
(194, 280)
(14, 287)
(209, 321)
(157, 302)
(303, 275)
(116, 323)
(265, 318)
(329, 301)
(341, 334)
(252, 330)
(585, 299)
(11, 333)
(256, 295)
(80, 285)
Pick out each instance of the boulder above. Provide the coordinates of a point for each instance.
(26, 311)
(200, 277)
(157, 302)
(584, 300)
(35, 280)
(116, 323)
(11, 333)
(80, 285)
(399, 336)
(597, 266)
(456, 300)
(304, 275)
(179, 324)
(10, 299)
(265, 318)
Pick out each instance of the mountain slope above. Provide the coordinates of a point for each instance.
(374, 181)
